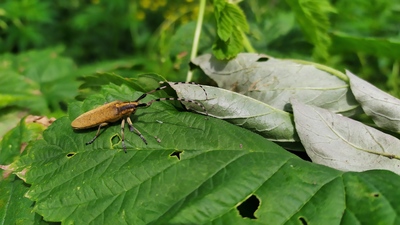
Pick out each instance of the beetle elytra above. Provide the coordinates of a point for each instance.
(120, 110)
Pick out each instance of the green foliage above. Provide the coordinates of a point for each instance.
(312, 16)
(22, 24)
(37, 80)
(52, 52)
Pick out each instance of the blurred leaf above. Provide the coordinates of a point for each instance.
(19, 91)
(9, 118)
(24, 22)
(47, 71)
(383, 47)
(313, 17)
(95, 81)
(367, 18)
(275, 81)
(272, 123)
(106, 66)
(219, 167)
(383, 108)
(343, 143)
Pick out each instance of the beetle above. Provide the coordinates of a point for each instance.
(121, 110)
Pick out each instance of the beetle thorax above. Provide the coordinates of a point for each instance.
(126, 108)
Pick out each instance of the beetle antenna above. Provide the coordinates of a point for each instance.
(174, 99)
(165, 86)
(150, 92)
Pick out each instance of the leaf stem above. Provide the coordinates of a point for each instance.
(328, 69)
(196, 38)
(246, 43)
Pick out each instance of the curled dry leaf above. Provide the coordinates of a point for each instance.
(45, 121)
(342, 143)
(383, 108)
(272, 123)
(275, 81)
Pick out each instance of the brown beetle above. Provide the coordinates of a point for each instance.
(119, 110)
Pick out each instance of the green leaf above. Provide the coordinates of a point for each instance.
(52, 72)
(15, 141)
(14, 207)
(275, 81)
(313, 17)
(231, 23)
(219, 167)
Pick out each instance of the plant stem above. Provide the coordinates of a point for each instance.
(196, 38)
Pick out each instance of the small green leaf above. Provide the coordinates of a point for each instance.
(231, 23)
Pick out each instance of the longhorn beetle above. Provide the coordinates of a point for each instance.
(119, 110)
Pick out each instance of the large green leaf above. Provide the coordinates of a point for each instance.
(193, 171)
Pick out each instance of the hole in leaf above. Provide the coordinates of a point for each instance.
(177, 154)
(263, 59)
(375, 195)
(71, 154)
(249, 207)
(303, 220)
(115, 139)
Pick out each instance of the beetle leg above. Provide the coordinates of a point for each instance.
(132, 128)
(123, 134)
(97, 133)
